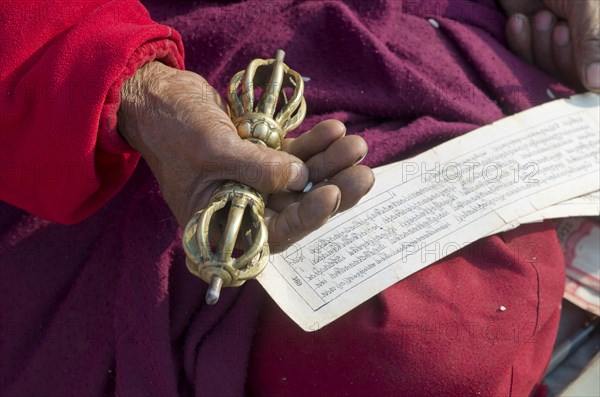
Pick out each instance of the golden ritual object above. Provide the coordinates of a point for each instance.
(233, 219)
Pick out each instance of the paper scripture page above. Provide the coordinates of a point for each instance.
(425, 208)
(586, 205)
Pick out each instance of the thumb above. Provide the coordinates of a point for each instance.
(265, 169)
(584, 24)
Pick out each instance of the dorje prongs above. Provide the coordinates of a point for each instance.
(227, 243)
(259, 121)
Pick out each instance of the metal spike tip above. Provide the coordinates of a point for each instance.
(214, 290)
(279, 55)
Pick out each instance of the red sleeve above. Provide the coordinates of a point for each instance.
(62, 66)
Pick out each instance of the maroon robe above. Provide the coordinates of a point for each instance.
(106, 306)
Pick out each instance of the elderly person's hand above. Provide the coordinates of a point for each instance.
(178, 124)
(560, 36)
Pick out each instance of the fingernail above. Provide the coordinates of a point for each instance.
(372, 184)
(543, 21)
(360, 158)
(561, 36)
(337, 203)
(297, 179)
(593, 76)
(517, 23)
(308, 187)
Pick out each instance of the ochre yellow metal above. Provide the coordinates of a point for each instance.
(227, 242)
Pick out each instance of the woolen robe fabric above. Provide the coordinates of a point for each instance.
(107, 307)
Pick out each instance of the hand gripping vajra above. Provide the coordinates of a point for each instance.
(227, 242)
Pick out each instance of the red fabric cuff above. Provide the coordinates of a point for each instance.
(62, 156)
(165, 51)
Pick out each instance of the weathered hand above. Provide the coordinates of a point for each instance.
(178, 124)
(560, 36)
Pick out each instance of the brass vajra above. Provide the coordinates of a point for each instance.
(227, 242)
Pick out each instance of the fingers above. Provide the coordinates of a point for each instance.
(533, 41)
(271, 171)
(301, 218)
(543, 26)
(518, 34)
(343, 153)
(326, 150)
(563, 54)
(316, 140)
(353, 183)
(336, 165)
(568, 50)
